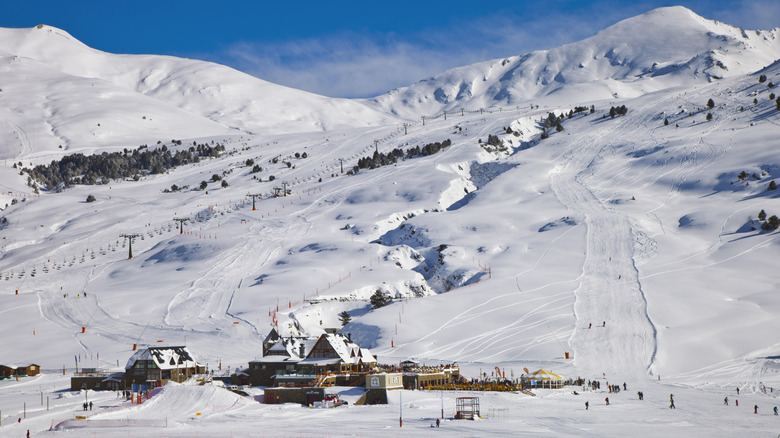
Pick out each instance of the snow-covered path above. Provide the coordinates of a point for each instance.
(622, 338)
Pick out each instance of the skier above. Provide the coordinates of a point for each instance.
(604, 324)
(671, 401)
(625, 388)
(775, 410)
(607, 400)
(590, 325)
(437, 422)
(90, 406)
(736, 402)
(755, 409)
(726, 401)
(586, 408)
(737, 390)
(639, 394)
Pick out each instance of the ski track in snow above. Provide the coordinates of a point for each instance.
(609, 289)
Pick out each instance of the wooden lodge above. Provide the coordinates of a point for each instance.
(301, 361)
(155, 366)
(9, 371)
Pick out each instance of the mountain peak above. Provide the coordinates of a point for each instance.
(662, 48)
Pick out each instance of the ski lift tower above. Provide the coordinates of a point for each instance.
(130, 238)
(181, 221)
(253, 196)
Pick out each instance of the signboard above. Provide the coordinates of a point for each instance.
(143, 388)
(135, 387)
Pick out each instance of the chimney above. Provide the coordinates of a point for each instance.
(302, 350)
(349, 337)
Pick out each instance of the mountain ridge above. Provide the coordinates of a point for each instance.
(638, 55)
(41, 61)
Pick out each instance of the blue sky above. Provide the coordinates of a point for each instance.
(350, 48)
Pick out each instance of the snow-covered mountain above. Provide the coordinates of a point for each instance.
(662, 48)
(636, 248)
(57, 91)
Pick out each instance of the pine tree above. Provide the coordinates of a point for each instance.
(666, 122)
(344, 318)
(771, 186)
(771, 224)
(378, 299)
(710, 104)
(762, 215)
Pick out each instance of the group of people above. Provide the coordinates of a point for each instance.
(87, 405)
(755, 407)
(616, 388)
(595, 385)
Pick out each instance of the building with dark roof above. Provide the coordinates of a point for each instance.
(154, 366)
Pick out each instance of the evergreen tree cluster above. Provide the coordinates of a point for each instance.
(769, 224)
(89, 169)
(380, 159)
(577, 110)
(617, 111)
(378, 299)
(552, 120)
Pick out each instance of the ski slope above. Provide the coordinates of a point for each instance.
(494, 258)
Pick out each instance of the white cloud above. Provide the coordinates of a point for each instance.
(367, 64)
(363, 65)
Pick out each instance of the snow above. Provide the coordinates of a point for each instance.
(643, 232)
(663, 48)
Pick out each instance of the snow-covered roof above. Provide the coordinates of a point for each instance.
(290, 347)
(348, 352)
(275, 358)
(273, 336)
(166, 358)
(320, 361)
